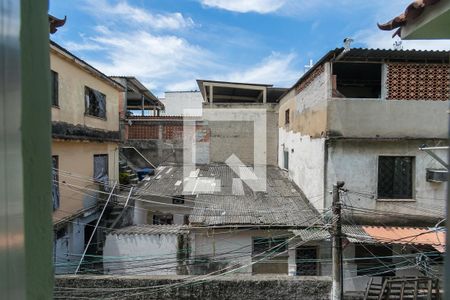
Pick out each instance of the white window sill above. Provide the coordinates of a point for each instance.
(396, 200)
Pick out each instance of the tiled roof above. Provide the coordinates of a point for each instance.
(224, 199)
(152, 229)
(434, 237)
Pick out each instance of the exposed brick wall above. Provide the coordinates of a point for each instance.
(418, 82)
(143, 131)
(309, 79)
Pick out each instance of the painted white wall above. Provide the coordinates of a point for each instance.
(234, 247)
(306, 163)
(68, 249)
(145, 249)
(176, 102)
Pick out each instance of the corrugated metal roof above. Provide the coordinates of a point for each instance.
(223, 198)
(366, 54)
(152, 229)
(354, 234)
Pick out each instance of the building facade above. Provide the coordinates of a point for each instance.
(85, 131)
(362, 117)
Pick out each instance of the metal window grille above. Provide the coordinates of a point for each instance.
(273, 245)
(395, 177)
(306, 261)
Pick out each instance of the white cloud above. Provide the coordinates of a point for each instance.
(277, 69)
(383, 40)
(245, 6)
(122, 10)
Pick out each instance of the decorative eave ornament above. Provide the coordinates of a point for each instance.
(413, 11)
(55, 23)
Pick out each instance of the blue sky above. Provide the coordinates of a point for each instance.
(167, 44)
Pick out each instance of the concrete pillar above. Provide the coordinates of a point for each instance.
(211, 95)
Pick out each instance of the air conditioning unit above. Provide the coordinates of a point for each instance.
(437, 175)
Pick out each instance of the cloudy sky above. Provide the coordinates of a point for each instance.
(168, 44)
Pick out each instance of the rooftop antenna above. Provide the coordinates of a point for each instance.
(309, 66)
(398, 45)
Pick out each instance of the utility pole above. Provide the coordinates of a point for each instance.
(336, 233)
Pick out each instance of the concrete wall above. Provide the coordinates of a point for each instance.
(310, 117)
(230, 288)
(306, 163)
(302, 137)
(222, 249)
(68, 249)
(72, 80)
(356, 163)
(237, 137)
(76, 168)
(387, 118)
(140, 254)
(176, 102)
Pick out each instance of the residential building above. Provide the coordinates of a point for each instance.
(362, 116)
(85, 132)
(231, 226)
(182, 103)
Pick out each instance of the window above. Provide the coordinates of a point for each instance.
(356, 80)
(286, 159)
(55, 182)
(286, 116)
(395, 177)
(306, 261)
(264, 250)
(95, 103)
(55, 88)
(101, 168)
(178, 199)
(162, 219)
(374, 260)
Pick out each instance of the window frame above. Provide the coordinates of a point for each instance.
(286, 161)
(407, 198)
(54, 76)
(287, 116)
(93, 163)
(55, 183)
(317, 264)
(87, 110)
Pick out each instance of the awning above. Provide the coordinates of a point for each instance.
(434, 237)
